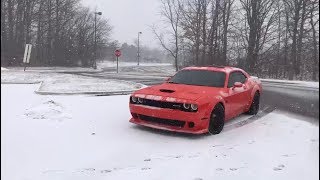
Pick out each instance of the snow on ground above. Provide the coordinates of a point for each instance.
(126, 64)
(80, 84)
(23, 77)
(55, 69)
(68, 83)
(150, 70)
(90, 138)
(157, 69)
(55, 79)
(3, 69)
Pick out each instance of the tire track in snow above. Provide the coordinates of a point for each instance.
(251, 119)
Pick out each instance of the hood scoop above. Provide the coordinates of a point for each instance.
(167, 90)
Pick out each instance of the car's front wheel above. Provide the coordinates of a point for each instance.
(216, 120)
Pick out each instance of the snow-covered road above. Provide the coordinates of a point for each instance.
(90, 138)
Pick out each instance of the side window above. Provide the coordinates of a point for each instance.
(236, 77)
(232, 79)
(242, 77)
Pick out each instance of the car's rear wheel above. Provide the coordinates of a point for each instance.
(255, 105)
(216, 120)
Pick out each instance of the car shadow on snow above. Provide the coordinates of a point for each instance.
(250, 119)
(169, 133)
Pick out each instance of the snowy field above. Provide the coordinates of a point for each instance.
(57, 80)
(61, 83)
(128, 64)
(89, 138)
(158, 69)
(52, 69)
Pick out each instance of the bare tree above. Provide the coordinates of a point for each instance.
(226, 16)
(295, 6)
(3, 27)
(171, 11)
(300, 38)
(266, 37)
(257, 12)
(50, 25)
(191, 25)
(313, 13)
(10, 41)
(213, 31)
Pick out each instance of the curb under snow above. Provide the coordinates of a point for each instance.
(97, 93)
(85, 93)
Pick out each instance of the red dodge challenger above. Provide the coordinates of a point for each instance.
(197, 100)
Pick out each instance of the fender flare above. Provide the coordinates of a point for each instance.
(253, 92)
(213, 101)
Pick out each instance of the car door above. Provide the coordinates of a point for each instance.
(245, 94)
(237, 96)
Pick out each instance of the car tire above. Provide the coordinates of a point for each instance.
(254, 108)
(216, 123)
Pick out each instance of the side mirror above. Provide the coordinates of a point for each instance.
(237, 85)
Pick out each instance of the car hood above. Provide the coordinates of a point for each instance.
(179, 91)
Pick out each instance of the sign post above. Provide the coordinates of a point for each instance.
(117, 53)
(26, 57)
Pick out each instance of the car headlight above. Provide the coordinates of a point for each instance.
(134, 99)
(186, 106)
(194, 107)
(140, 100)
(190, 107)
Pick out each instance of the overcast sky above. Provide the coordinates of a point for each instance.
(128, 17)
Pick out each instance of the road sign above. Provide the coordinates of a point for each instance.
(117, 52)
(27, 52)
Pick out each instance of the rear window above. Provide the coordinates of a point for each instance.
(199, 78)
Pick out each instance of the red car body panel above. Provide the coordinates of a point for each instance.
(235, 101)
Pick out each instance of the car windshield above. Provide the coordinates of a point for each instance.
(199, 78)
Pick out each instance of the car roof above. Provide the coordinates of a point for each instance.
(226, 69)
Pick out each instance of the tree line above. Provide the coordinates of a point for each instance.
(61, 32)
(269, 38)
(147, 54)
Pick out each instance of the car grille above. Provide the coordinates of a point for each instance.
(168, 122)
(162, 104)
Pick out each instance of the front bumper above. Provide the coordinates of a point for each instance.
(169, 119)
